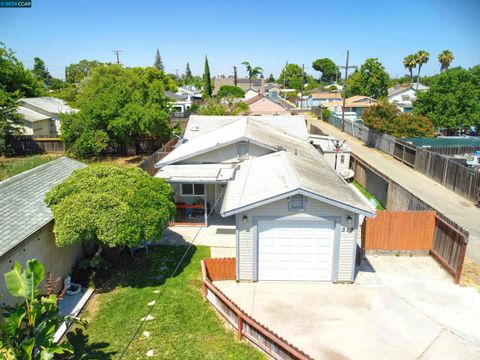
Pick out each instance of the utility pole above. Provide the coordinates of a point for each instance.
(117, 53)
(346, 67)
(176, 73)
(235, 75)
(301, 91)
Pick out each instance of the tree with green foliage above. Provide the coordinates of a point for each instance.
(387, 118)
(452, 100)
(118, 105)
(14, 78)
(410, 63)
(27, 329)
(229, 90)
(371, 80)
(292, 75)
(158, 63)
(252, 71)
(421, 58)
(188, 76)
(75, 73)
(10, 122)
(270, 79)
(41, 71)
(207, 80)
(445, 58)
(223, 107)
(328, 68)
(111, 206)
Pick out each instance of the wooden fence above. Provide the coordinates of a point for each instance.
(246, 327)
(399, 230)
(148, 164)
(449, 247)
(31, 145)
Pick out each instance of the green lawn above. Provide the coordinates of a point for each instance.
(13, 166)
(368, 195)
(184, 325)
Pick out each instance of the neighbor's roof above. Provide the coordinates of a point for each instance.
(276, 176)
(192, 173)
(199, 125)
(244, 129)
(22, 209)
(328, 95)
(49, 104)
(395, 90)
(177, 97)
(31, 115)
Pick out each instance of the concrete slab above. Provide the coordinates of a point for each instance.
(391, 312)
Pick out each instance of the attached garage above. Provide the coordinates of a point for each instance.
(296, 250)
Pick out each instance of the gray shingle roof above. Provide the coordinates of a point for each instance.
(22, 209)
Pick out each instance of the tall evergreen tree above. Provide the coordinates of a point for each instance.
(270, 79)
(40, 70)
(158, 62)
(188, 74)
(207, 82)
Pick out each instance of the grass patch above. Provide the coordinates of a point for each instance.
(184, 325)
(116, 160)
(368, 195)
(13, 166)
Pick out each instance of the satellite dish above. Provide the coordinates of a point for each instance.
(347, 174)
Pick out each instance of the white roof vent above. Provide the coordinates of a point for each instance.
(194, 128)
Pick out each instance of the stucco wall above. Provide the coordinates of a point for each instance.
(41, 246)
(313, 210)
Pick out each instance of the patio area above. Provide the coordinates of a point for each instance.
(390, 312)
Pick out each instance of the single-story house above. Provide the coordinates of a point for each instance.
(26, 223)
(403, 96)
(41, 115)
(356, 104)
(295, 217)
(272, 90)
(180, 104)
(243, 83)
(263, 105)
(318, 99)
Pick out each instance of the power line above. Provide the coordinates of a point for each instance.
(166, 283)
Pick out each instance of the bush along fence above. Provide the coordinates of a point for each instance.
(432, 162)
(148, 164)
(449, 237)
(417, 231)
(246, 327)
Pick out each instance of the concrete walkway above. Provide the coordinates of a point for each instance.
(452, 205)
(390, 312)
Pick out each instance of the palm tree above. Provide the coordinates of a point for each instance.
(421, 58)
(445, 58)
(410, 63)
(253, 72)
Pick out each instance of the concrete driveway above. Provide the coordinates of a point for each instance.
(398, 308)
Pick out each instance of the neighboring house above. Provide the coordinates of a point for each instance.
(191, 91)
(403, 96)
(356, 104)
(180, 103)
(250, 93)
(243, 83)
(296, 218)
(26, 223)
(336, 152)
(318, 99)
(41, 115)
(272, 90)
(263, 105)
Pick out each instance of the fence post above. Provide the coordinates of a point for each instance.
(240, 325)
(458, 270)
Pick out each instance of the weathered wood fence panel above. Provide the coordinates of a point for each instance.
(399, 230)
(247, 327)
(148, 165)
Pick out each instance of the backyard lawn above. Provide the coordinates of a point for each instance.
(13, 166)
(184, 325)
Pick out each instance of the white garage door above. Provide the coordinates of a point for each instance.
(301, 251)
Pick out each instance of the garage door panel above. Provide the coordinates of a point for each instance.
(300, 251)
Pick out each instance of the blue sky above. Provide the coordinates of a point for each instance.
(266, 33)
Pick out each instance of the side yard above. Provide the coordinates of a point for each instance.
(184, 326)
(16, 165)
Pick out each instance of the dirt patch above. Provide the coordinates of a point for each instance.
(470, 274)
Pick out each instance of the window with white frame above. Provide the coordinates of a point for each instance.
(296, 203)
(242, 149)
(192, 189)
